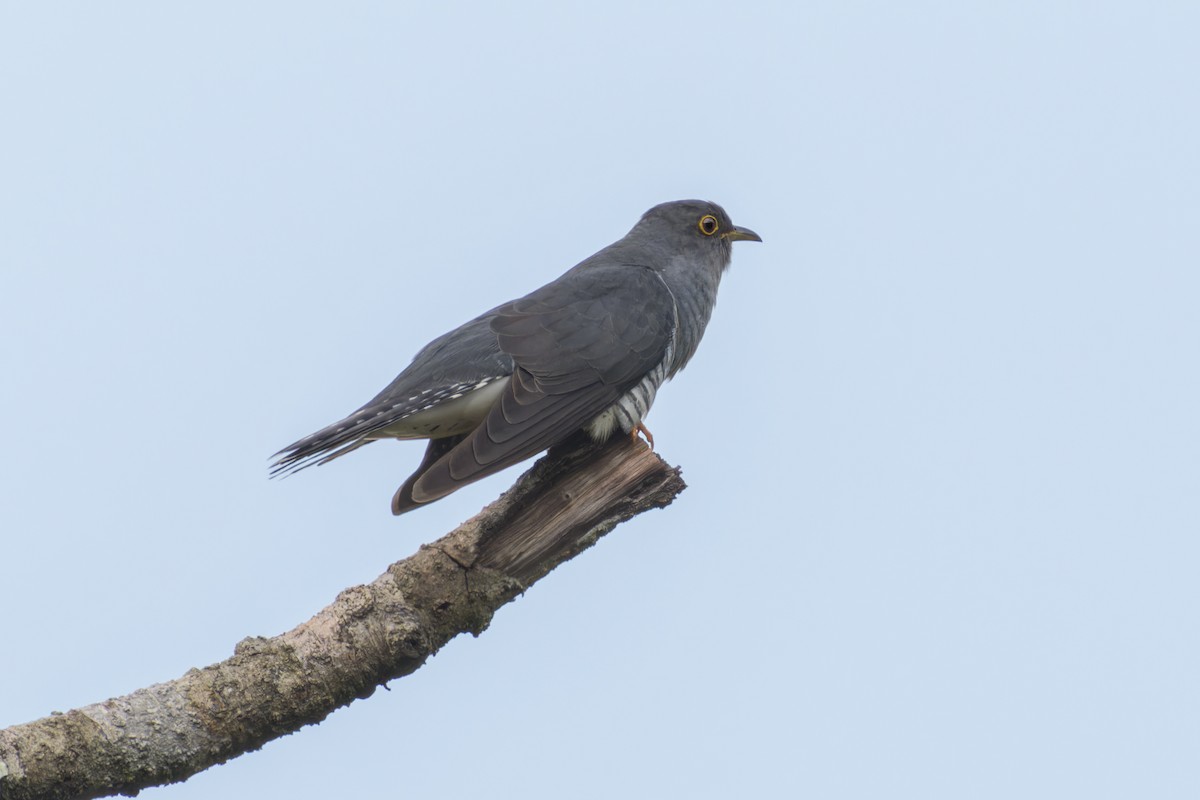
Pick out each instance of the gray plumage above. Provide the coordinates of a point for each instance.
(588, 350)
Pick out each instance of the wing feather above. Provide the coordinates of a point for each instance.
(578, 345)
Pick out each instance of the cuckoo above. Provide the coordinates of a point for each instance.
(587, 351)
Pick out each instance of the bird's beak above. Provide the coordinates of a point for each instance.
(736, 234)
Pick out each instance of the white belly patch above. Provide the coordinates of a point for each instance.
(454, 410)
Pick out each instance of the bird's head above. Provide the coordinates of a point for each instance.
(692, 226)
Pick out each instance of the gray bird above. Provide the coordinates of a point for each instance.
(586, 351)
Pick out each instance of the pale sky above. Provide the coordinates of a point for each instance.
(942, 444)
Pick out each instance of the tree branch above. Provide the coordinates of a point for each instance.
(369, 635)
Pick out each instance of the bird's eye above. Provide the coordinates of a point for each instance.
(709, 225)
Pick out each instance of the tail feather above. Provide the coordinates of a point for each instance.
(318, 448)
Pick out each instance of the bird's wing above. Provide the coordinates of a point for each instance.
(449, 366)
(577, 346)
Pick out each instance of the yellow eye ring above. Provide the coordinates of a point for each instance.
(709, 225)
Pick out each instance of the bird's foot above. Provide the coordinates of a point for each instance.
(643, 431)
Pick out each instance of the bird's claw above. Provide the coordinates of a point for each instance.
(643, 431)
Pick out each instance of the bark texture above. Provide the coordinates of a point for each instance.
(369, 635)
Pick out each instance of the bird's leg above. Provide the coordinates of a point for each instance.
(644, 431)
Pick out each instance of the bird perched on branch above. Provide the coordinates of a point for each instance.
(588, 350)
